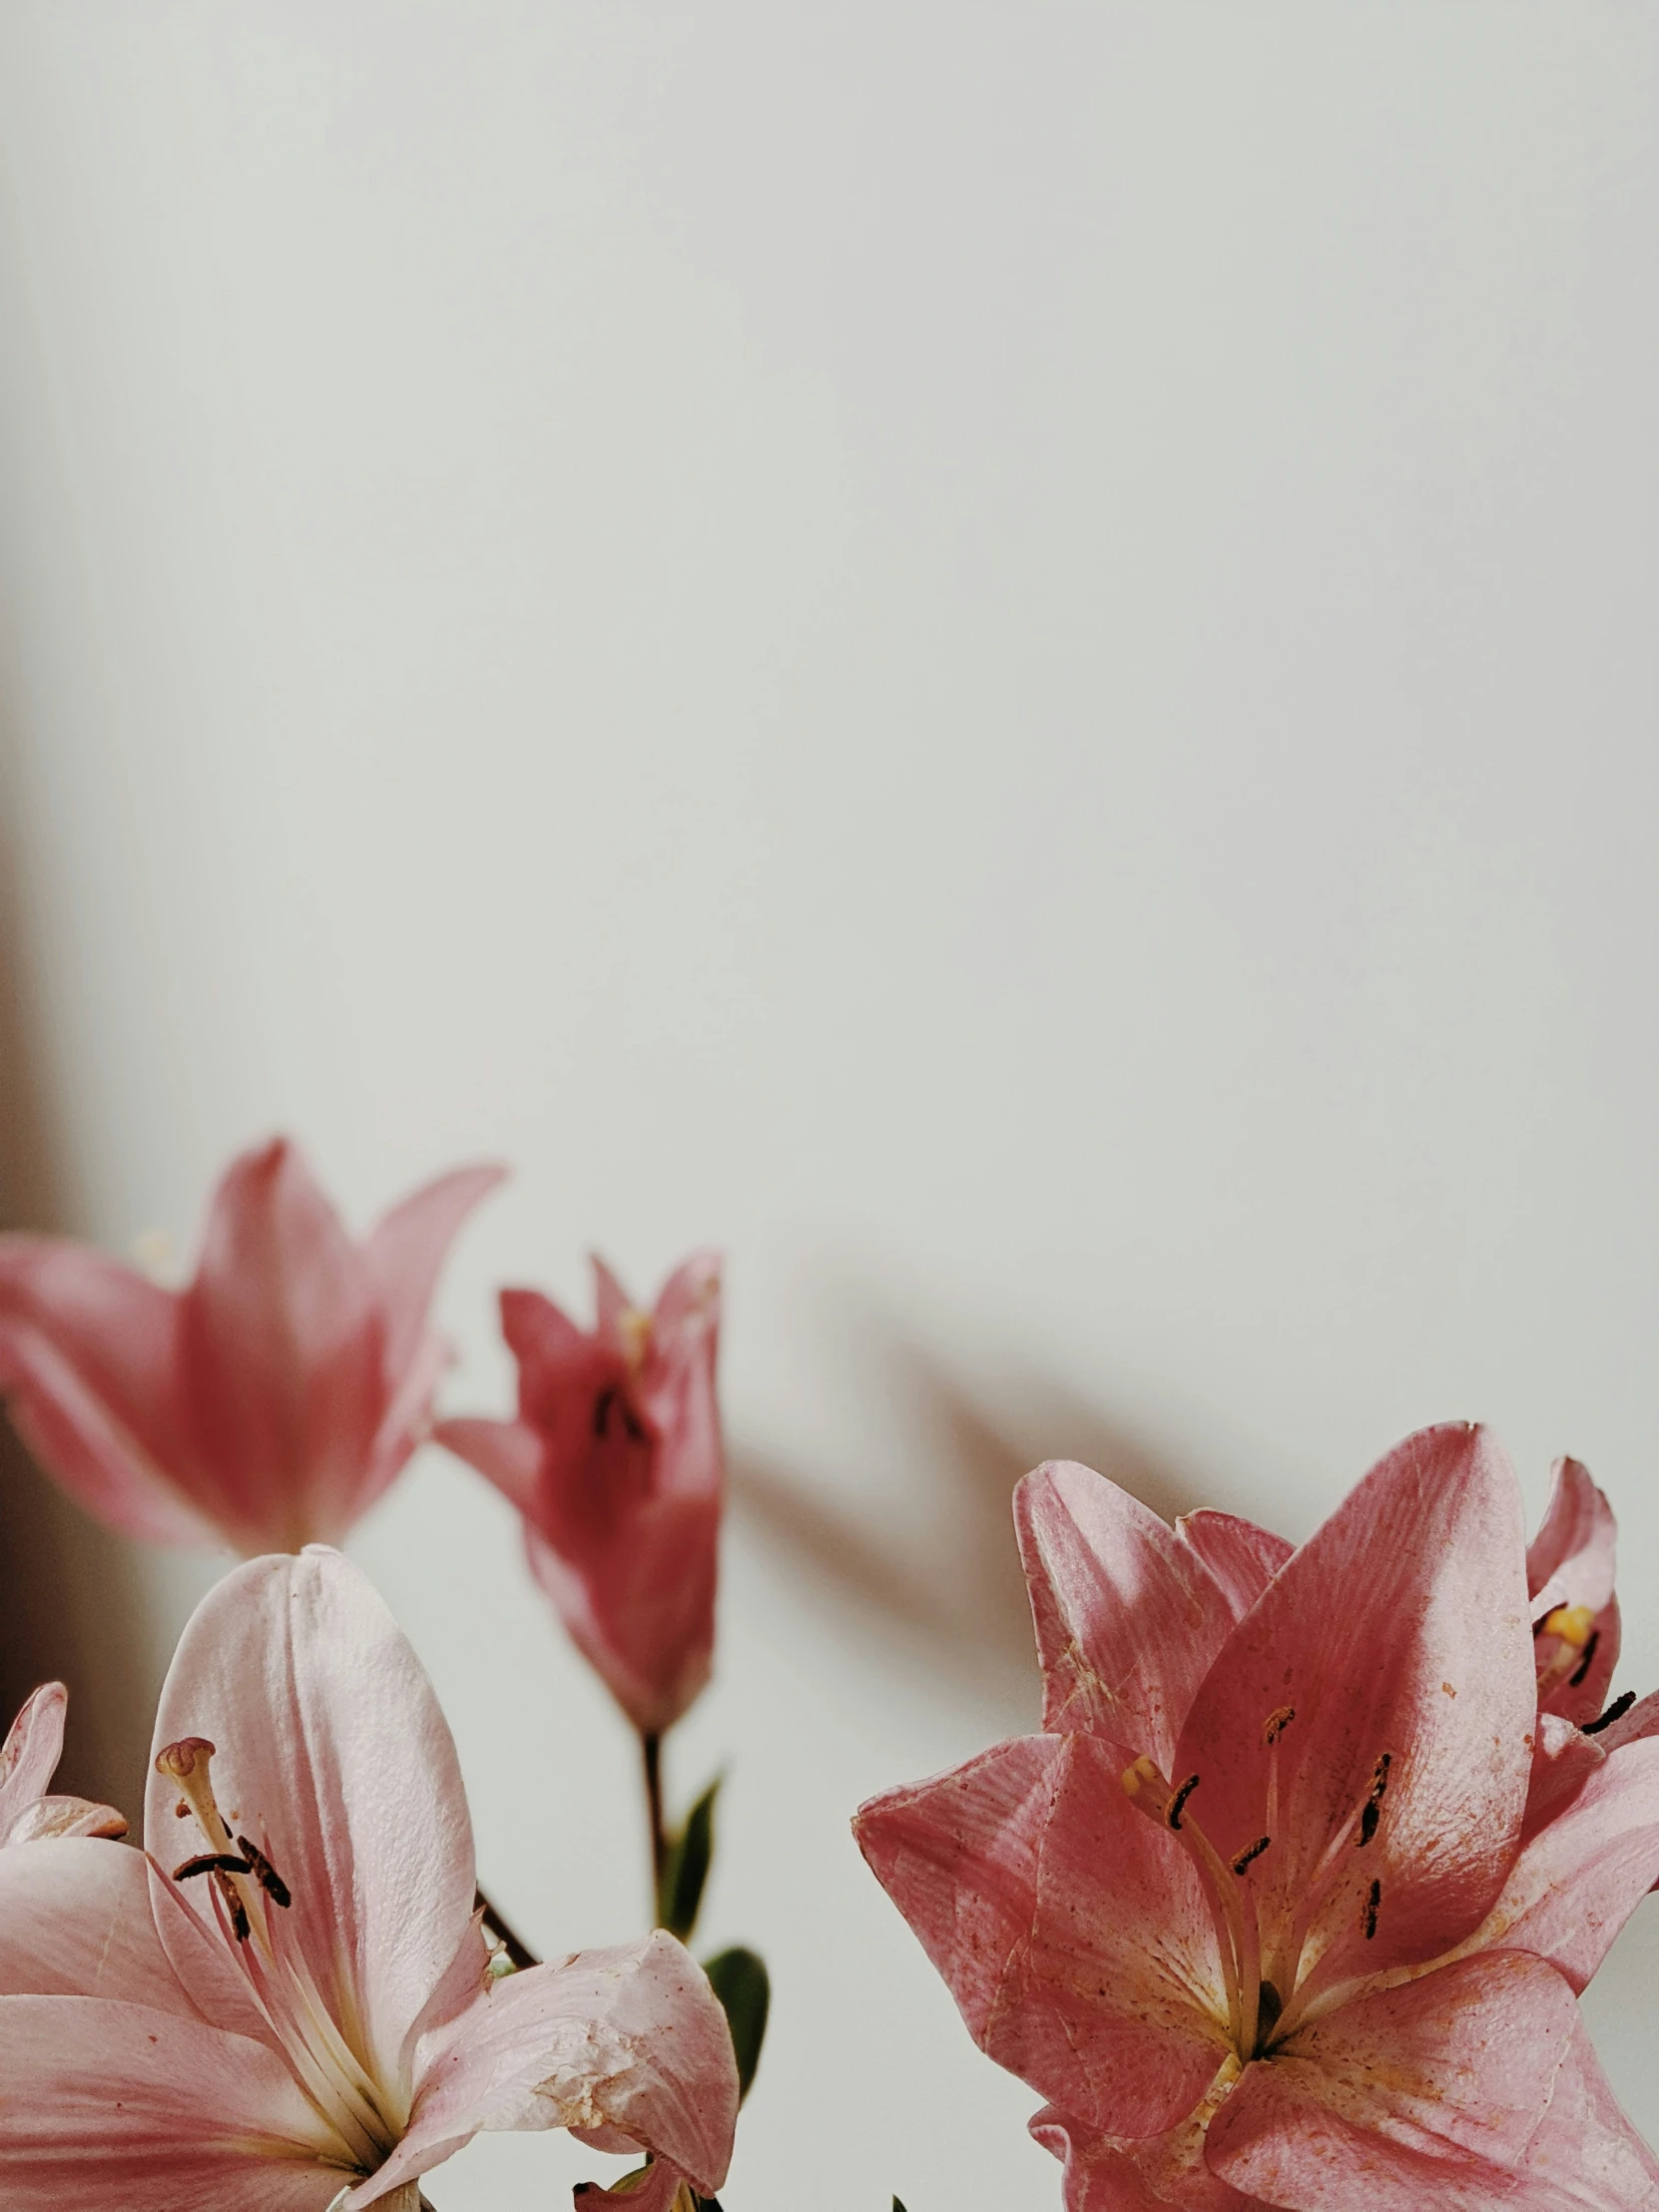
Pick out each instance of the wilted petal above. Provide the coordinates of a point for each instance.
(631, 2038)
(1401, 1627)
(332, 1750)
(87, 1363)
(1128, 1617)
(1243, 1557)
(282, 1340)
(1582, 1876)
(1423, 2095)
(115, 2107)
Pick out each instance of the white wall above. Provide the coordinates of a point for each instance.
(1001, 656)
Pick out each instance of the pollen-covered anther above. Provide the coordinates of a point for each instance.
(1250, 1853)
(1616, 1712)
(1368, 1909)
(265, 1874)
(210, 1862)
(1574, 1624)
(1276, 1724)
(241, 1928)
(1372, 1811)
(1172, 1812)
(1587, 1662)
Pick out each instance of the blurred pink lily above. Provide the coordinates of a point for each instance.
(1256, 1914)
(615, 1463)
(267, 1405)
(28, 1761)
(289, 2006)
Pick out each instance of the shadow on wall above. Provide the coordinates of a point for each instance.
(941, 1570)
(69, 1599)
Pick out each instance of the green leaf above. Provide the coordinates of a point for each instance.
(742, 1984)
(680, 1896)
(896, 2206)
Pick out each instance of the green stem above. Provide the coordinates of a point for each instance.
(651, 1754)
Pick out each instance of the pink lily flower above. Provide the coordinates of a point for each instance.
(289, 2005)
(616, 1464)
(267, 1405)
(28, 1761)
(1257, 1913)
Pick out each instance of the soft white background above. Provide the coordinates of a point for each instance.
(1001, 657)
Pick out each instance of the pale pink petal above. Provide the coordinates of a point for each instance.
(406, 1249)
(1399, 1631)
(75, 1921)
(1104, 2173)
(87, 1361)
(1586, 2157)
(631, 2038)
(115, 2107)
(34, 1745)
(1243, 1557)
(1633, 1726)
(1582, 1876)
(336, 1761)
(1128, 1617)
(1071, 1930)
(505, 1452)
(282, 1340)
(1421, 2096)
(65, 1816)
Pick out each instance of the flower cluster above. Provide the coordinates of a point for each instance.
(1290, 1902)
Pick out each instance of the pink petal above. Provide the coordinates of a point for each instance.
(1128, 1617)
(338, 1763)
(1569, 1564)
(30, 1755)
(1241, 1557)
(1073, 1931)
(686, 1313)
(281, 1341)
(1580, 1880)
(1107, 2174)
(611, 1305)
(1563, 1759)
(1401, 1627)
(87, 1359)
(640, 1607)
(631, 2038)
(114, 2107)
(1576, 1540)
(75, 1921)
(1587, 2154)
(406, 1249)
(1423, 2096)
(958, 1856)
(505, 1452)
